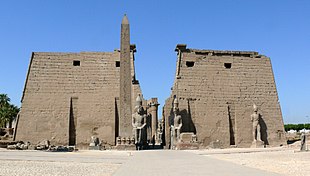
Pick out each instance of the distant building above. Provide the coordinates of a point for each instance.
(292, 131)
(304, 131)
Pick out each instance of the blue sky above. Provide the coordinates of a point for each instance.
(279, 29)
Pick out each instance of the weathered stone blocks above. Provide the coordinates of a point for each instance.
(216, 91)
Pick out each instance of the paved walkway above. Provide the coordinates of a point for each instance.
(168, 162)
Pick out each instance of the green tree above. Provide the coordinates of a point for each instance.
(289, 127)
(296, 126)
(3, 115)
(4, 100)
(8, 112)
(300, 126)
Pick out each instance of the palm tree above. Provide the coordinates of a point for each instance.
(4, 113)
(4, 100)
(14, 110)
(8, 112)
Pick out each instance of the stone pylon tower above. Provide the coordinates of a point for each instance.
(125, 81)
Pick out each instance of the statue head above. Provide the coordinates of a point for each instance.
(255, 108)
(139, 109)
(175, 105)
(159, 125)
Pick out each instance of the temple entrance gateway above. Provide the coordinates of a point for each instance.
(102, 87)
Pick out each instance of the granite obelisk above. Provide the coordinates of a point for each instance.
(125, 126)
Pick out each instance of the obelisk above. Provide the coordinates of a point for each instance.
(125, 126)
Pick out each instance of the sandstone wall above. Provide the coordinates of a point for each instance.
(216, 92)
(53, 82)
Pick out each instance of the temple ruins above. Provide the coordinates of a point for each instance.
(219, 99)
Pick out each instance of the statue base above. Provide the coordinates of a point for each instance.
(186, 146)
(125, 147)
(216, 144)
(94, 148)
(258, 144)
(188, 141)
(125, 143)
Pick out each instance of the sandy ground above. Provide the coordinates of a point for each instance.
(55, 168)
(285, 161)
(282, 162)
(60, 163)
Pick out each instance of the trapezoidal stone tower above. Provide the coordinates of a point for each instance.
(216, 91)
(69, 97)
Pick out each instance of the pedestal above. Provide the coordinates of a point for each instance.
(188, 141)
(94, 147)
(186, 146)
(125, 147)
(258, 144)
